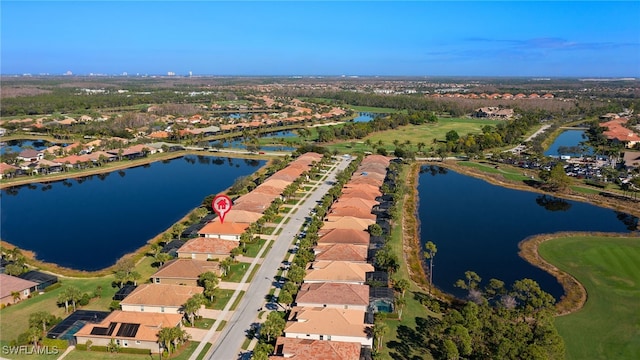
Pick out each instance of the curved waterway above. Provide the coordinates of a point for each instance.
(477, 226)
(88, 223)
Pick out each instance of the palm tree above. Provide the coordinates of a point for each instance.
(16, 296)
(192, 306)
(165, 338)
(400, 303)
(380, 329)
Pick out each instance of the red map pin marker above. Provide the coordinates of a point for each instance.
(221, 205)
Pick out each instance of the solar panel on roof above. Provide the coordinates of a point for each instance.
(128, 330)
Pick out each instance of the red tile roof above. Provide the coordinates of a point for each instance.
(342, 252)
(304, 349)
(227, 228)
(212, 246)
(319, 294)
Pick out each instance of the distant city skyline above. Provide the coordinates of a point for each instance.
(322, 38)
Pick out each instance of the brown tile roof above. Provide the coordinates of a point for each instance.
(347, 222)
(342, 252)
(326, 321)
(215, 227)
(355, 202)
(331, 293)
(186, 269)
(364, 180)
(376, 159)
(305, 349)
(4, 167)
(73, 159)
(150, 324)
(242, 216)
(161, 295)
(266, 199)
(212, 246)
(367, 195)
(359, 213)
(252, 206)
(343, 236)
(337, 271)
(10, 283)
(275, 183)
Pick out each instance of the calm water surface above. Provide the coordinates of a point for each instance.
(89, 223)
(477, 226)
(239, 142)
(17, 146)
(568, 138)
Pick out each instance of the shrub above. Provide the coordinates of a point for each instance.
(55, 343)
(84, 300)
(52, 287)
(127, 350)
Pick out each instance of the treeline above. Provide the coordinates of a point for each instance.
(72, 101)
(358, 130)
(503, 134)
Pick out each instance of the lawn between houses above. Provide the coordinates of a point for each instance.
(609, 268)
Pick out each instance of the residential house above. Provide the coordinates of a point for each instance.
(227, 230)
(202, 248)
(348, 222)
(337, 271)
(343, 236)
(138, 330)
(159, 298)
(303, 349)
(315, 323)
(11, 286)
(30, 155)
(184, 271)
(342, 252)
(7, 170)
(631, 159)
(333, 295)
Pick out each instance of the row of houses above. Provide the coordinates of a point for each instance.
(332, 314)
(150, 307)
(32, 162)
(506, 96)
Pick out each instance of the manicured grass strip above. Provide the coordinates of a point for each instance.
(204, 351)
(253, 273)
(204, 323)
(235, 303)
(245, 343)
(609, 268)
(236, 272)
(223, 323)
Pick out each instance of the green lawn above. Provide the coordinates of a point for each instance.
(608, 327)
(254, 248)
(221, 299)
(506, 172)
(236, 272)
(424, 133)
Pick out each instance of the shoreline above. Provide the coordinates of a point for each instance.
(127, 164)
(137, 254)
(575, 294)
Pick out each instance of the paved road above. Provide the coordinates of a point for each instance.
(228, 344)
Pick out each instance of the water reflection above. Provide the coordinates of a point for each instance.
(552, 203)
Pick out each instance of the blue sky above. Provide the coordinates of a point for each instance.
(455, 38)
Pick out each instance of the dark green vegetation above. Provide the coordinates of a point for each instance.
(609, 268)
(496, 323)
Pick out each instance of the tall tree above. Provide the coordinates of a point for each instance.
(209, 281)
(430, 251)
(273, 326)
(192, 306)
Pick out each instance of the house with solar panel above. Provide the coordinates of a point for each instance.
(138, 330)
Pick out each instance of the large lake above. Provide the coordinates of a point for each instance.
(477, 226)
(88, 223)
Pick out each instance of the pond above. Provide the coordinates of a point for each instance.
(365, 117)
(477, 226)
(568, 143)
(277, 136)
(88, 223)
(18, 145)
